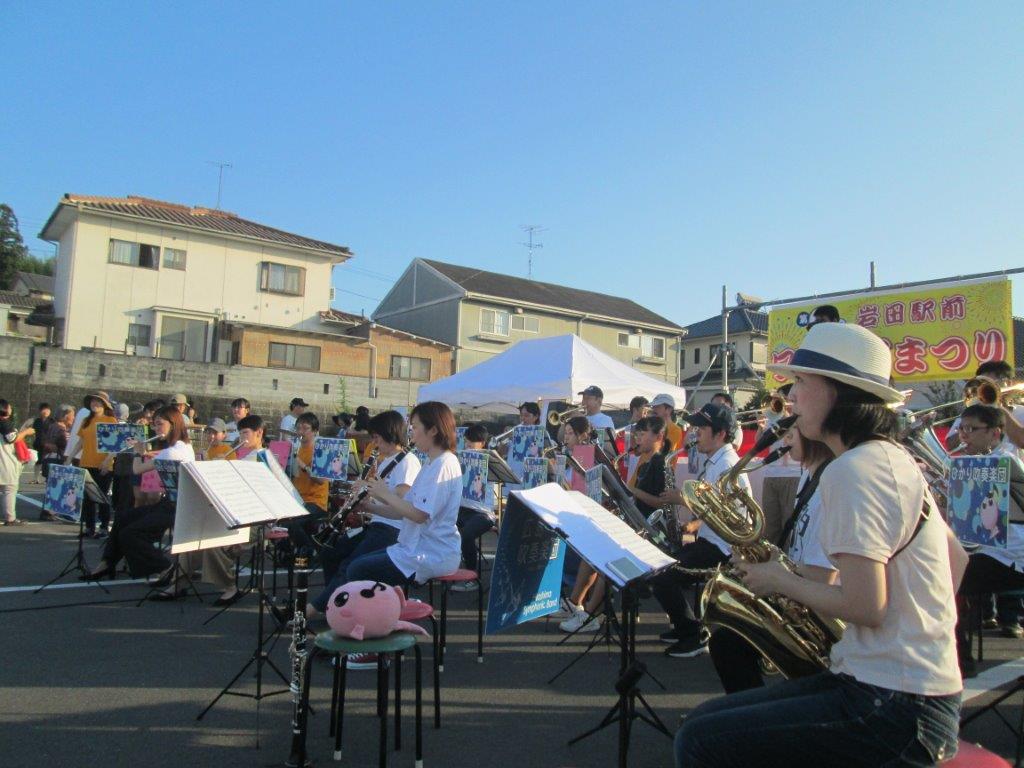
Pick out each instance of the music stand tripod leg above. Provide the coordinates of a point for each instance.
(76, 563)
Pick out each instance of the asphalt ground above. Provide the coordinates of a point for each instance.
(88, 679)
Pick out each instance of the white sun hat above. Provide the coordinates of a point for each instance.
(848, 353)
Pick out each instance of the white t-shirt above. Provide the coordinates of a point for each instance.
(712, 468)
(432, 548)
(74, 446)
(804, 544)
(287, 425)
(1012, 554)
(404, 474)
(600, 423)
(231, 432)
(872, 497)
(180, 451)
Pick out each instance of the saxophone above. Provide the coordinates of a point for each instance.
(791, 637)
(672, 529)
(299, 685)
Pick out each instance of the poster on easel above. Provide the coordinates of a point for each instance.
(527, 441)
(65, 489)
(115, 438)
(979, 499)
(330, 458)
(535, 471)
(474, 477)
(593, 482)
(460, 439)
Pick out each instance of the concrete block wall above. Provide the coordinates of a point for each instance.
(33, 373)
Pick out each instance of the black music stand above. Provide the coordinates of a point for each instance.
(77, 563)
(501, 474)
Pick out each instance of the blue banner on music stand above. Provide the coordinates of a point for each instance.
(113, 438)
(979, 499)
(527, 579)
(527, 441)
(330, 458)
(65, 489)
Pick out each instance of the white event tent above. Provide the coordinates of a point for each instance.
(554, 368)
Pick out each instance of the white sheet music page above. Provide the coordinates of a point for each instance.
(199, 522)
(276, 502)
(599, 536)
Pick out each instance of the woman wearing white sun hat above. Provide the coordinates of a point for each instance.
(892, 694)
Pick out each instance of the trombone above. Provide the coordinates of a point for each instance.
(980, 390)
(558, 418)
(772, 407)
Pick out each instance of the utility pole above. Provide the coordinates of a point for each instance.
(220, 178)
(725, 343)
(531, 230)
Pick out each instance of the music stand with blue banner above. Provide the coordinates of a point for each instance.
(114, 438)
(613, 550)
(979, 494)
(66, 488)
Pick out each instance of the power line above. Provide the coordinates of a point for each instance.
(360, 295)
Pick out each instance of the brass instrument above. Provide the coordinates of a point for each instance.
(793, 638)
(558, 418)
(504, 437)
(772, 408)
(989, 392)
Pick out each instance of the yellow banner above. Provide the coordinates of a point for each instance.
(939, 332)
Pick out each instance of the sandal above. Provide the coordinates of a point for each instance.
(165, 596)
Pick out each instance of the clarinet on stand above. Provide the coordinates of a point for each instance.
(300, 668)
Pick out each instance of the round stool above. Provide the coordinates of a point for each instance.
(395, 643)
(463, 574)
(974, 756)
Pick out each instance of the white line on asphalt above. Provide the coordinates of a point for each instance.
(33, 502)
(992, 678)
(244, 572)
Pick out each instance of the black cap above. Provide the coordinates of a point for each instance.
(719, 417)
(298, 401)
(592, 390)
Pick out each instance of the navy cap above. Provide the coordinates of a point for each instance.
(718, 417)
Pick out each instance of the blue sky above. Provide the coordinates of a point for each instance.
(666, 148)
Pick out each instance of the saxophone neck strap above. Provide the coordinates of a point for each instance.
(802, 500)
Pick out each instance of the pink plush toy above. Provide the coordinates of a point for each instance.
(365, 609)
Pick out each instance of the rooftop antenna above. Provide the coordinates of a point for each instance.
(220, 177)
(531, 230)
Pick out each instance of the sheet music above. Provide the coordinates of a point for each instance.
(596, 534)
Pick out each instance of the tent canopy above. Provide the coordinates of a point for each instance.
(553, 368)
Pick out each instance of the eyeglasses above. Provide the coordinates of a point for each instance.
(969, 428)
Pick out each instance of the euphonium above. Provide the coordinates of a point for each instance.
(792, 638)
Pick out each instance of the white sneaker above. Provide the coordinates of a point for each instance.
(565, 610)
(580, 621)
(464, 586)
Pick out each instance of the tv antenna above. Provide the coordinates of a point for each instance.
(531, 230)
(220, 178)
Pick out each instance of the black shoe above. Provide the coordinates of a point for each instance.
(86, 534)
(166, 597)
(687, 647)
(108, 573)
(968, 667)
(102, 533)
(672, 636)
(15, 521)
(1011, 630)
(222, 602)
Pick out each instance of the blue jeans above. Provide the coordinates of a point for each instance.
(374, 538)
(825, 719)
(377, 566)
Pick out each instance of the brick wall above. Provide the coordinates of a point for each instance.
(30, 374)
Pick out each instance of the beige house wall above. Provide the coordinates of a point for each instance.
(98, 300)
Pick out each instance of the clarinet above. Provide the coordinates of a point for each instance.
(300, 669)
(675, 535)
(336, 525)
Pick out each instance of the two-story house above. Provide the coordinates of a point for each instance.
(157, 279)
(482, 313)
(748, 339)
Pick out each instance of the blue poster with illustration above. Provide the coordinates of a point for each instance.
(979, 499)
(65, 488)
(527, 441)
(474, 477)
(330, 458)
(535, 471)
(113, 438)
(526, 582)
(460, 439)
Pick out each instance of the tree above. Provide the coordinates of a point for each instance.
(13, 252)
(942, 392)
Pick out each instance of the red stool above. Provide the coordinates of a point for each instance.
(974, 756)
(463, 574)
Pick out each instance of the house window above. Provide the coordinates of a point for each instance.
(294, 356)
(139, 334)
(525, 323)
(652, 346)
(182, 339)
(134, 254)
(494, 321)
(696, 355)
(682, 357)
(413, 368)
(281, 278)
(631, 340)
(174, 258)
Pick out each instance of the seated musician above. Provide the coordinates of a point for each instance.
(990, 568)
(399, 468)
(891, 693)
(216, 434)
(428, 544)
(313, 490)
(638, 408)
(779, 479)
(715, 426)
(664, 406)
(737, 662)
(135, 531)
(474, 519)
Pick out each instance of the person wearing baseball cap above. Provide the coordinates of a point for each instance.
(714, 425)
(600, 423)
(664, 406)
(180, 402)
(296, 408)
(891, 693)
(216, 431)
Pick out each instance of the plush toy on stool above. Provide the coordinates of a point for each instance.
(367, 609)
